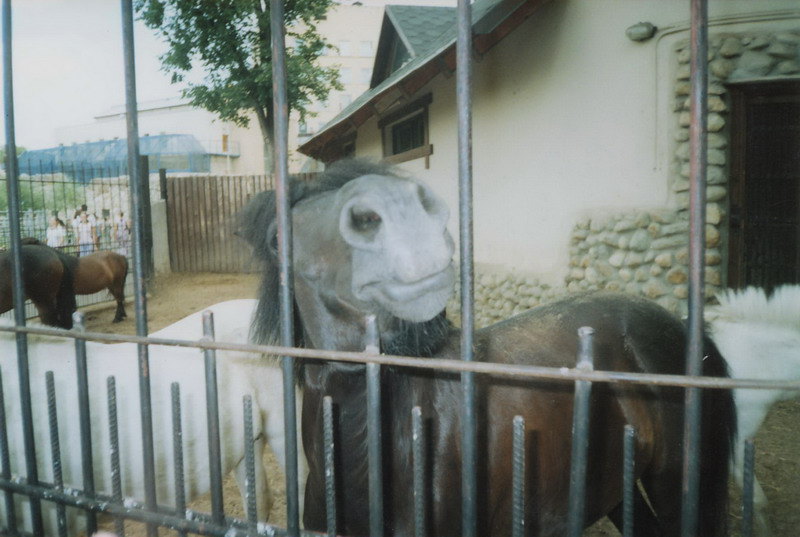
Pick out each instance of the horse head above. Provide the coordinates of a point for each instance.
(365, 241)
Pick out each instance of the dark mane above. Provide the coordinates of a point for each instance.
(257, 226)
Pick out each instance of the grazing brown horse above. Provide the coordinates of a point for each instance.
(103, 270)
(367, 241)
(47, 278)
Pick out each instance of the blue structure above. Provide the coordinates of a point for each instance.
(109, 158)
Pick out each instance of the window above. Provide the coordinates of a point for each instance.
(405, 132)
(365, 48)
(346, 75)
(345, 48)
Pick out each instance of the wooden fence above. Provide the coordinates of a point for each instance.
(201, 219)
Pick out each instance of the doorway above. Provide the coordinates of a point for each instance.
(764, 234)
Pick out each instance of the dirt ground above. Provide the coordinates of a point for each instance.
(175, 296)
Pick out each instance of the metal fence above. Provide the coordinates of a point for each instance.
(26, 482)
(50, 202)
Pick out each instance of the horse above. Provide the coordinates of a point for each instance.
(759, 335)
(238, 374)
(101, 270)
(95, 272)
(370, 241)
(47, 278)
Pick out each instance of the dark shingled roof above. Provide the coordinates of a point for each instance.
(419, 27)
(492, 20)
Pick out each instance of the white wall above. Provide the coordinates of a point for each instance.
(570, 118)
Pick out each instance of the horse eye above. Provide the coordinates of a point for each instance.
(365, 221)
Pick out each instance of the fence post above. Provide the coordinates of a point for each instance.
(146, 218)
(162, 182)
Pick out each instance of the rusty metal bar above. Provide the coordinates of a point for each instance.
(697, 206)
(374, 431)
(177, 453)
(212, 422)
(748, 482)
(330, 465)
(5, 462)
(420, 463)
(113, 435)
(518, 478)
(580, 436)
(251, 509)
(87, 456)
(12, 189)
(469, 484)
(139, 289)
(628, 479)
(280, 109)
(55, 451)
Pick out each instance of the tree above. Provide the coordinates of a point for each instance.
(230, 41)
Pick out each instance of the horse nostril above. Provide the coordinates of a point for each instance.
(364, 221)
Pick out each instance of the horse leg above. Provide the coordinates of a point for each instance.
(645, 523)
(118, 291)
(263, 492)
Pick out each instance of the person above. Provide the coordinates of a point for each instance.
(85, 234)
(56, 233)
(122, 232)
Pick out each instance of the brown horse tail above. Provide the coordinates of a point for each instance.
(716, 446)
(65, 299)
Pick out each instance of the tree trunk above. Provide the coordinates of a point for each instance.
(267, 134)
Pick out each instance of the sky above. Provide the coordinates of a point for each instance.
(68, 66)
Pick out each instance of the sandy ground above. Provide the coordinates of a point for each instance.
(177, 295)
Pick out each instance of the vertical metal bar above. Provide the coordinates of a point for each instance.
(212, 419)
(5, 461)
(84, 419)
(55, 451)
(139, 291)
(250, 463)
(628, 479)
(518, 478)
(697, 206)
(420, 464)
(280, 109)
(469, 486)
(374, 432)
(113, 436)
(12, 189)
(177, 453)
(330, 466)
(580, 435)
(748, 482)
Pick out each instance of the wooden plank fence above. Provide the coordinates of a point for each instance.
(201, 219)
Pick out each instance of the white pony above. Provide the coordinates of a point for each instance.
(238, 374)
(760, 339)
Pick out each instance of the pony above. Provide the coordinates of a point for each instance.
(95, 272)
(238, 374)
(101, 270)
(759, 335)
(47, 279)
(370, 241)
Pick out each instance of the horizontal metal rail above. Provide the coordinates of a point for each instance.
(486, 368)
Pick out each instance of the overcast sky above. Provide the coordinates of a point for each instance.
(68, 67)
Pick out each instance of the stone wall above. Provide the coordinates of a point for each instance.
(645, 252)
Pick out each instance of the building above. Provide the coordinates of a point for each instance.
(580, 129)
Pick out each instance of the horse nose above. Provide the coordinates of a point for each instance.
(360, 222)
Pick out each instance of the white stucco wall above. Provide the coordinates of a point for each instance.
(570, 119)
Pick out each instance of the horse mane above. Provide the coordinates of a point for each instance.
(752, 304)
(256, 224)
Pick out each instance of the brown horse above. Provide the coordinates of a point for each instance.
(103, 270)
(47, 278)
(367, 241)
(95, 272)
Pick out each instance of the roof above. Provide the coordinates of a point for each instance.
(492, 21)
(109, 156)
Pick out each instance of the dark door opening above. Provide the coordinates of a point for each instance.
(764, 239)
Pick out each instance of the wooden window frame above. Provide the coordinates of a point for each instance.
(404, 113)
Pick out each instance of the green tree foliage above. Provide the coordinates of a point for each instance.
(230, 42)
